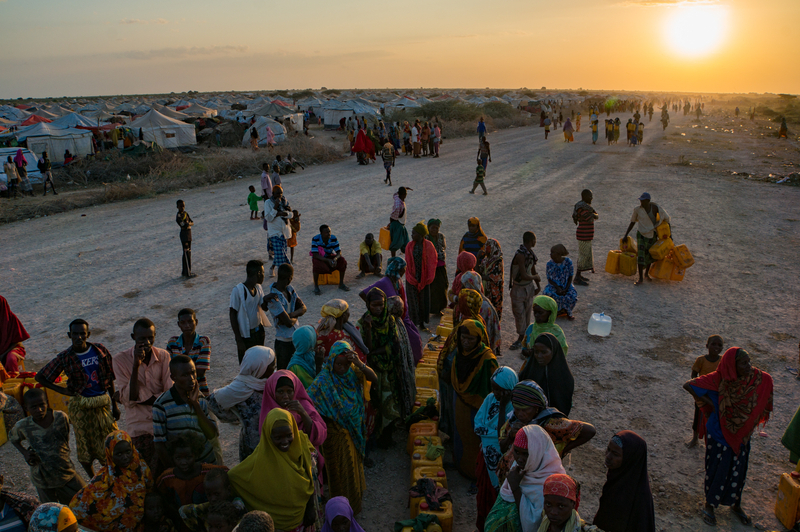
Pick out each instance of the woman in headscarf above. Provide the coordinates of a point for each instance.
(22, 171)
(491, 272)
(560, 272)
(286, 456)
(338, 392)
(568, 129)
(440, 283)
(12, 178)
(545, 310)
(380, 334)
(12, 334)
(473, 281)
(420, 271)
(470, 374)
(737, 398)
(626, 504)
(407, 386)
(339, 517)
(114, 499)
(530, 408)
(488, 421)
(304, 362)
(240, 401)
(284, 390)
(474, 239)
(334, 325)
(391, 285)
(397, 222)
(465, 262)
(52, 517)
(521, 500)
(549, 369)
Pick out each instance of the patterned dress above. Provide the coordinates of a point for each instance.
(558, 275)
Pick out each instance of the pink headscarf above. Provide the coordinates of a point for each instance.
(465, 262)
(269, 402)
(20, 159)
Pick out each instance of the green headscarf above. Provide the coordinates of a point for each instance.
(535, 329)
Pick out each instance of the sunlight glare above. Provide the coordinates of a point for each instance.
(695, 31)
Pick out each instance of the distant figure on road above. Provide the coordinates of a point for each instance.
(481, 129)
(185, 222)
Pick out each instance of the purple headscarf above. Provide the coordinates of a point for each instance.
(336, 507)
(20, 159)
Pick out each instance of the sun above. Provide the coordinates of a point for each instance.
(696, 31)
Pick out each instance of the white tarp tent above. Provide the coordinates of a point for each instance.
(261, 125)
(44, 137)
(164, 131)
(33, 169)
(72, 120)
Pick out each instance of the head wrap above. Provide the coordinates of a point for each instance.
(383, 331)
(465, 262)
(255, 362)
(473, 281)
(284, 501)
(491, 255)
(528, 393)
(421, 229)
(471, 372)
(396, 306)
(563, 486)
(487, 418)
(393, 267)
(341, 397)
(743, 402)
(555, 378)
(543, 461)
(434, 221)
(505, 377)
(339, 506)
(305, 340)
(269, 402)
(51, 517)
(114, 499)
(276, 189)
(521, 440)
(331, 311)
(627, 502)
(535, 329)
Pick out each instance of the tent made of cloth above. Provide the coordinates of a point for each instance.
(34, 174)
(163, 130)
(34, 119)
(261, 125)
(198, 110)
(56, 141)
(170, 112)
(73, 120)
(273, 110)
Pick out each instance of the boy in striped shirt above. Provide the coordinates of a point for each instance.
(584, 216)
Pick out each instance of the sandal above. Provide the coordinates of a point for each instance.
(709, 518)
(743, 517)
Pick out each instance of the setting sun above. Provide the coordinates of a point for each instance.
(697, 30)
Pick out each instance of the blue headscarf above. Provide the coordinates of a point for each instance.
(487, 418)
(393, 267)
(341, 397)
(304, 340)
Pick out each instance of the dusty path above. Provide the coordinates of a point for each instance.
(121, 261)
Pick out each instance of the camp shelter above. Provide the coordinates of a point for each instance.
(163, 130)
(273, 110)
(55, 141)
(34, 174)
(198, 110)
(142, 148)
(73, 120)
(261, 125)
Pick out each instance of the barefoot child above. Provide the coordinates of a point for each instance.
(252, 200)
(703, 366)
(480, 174)
(47, 433)
(294, 222)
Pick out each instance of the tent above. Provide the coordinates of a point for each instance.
(198, 110)
(273, 110)
(165, 131)
(261, 125)
(34, 174)
(34, 119)
(73, 120)
(44, 137)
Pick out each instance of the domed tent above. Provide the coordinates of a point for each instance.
(261, 125)
(164, 131)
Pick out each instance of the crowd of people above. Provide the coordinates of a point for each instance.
(312, 408)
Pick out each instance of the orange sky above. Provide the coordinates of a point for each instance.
(53, 48)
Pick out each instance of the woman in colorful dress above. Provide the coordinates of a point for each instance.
(559, 281)
(474, 239)
(488, 421)
(407, 386)
(334, 326)
(114, 499)
(470, 374)
(307, 356)
(545, 310)
(737, 399)
(338, 392)
(465, 262)
(473, 281)
(491, 272)
(440, 283)
(421, 270)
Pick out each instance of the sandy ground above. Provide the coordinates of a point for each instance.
(114, 263)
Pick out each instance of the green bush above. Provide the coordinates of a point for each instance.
(499, 110)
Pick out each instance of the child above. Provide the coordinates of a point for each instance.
(266, 182)
(252, 200)
(294, 162)
(562, 495)
(703, 366)
(90, 384)
(294, 221)
(370, 257)
(223, 516)
(47, 432)
(196, 347)
(560, 272)
(218, 489)
(276, 176)
(185, 222)
(480, 173)
(633, 141)
(155, 518)
(183, 484)
(257, 521)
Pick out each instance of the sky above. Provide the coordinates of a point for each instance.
(54, 48)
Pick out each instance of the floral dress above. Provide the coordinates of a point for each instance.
(558, 275)
(246, 414)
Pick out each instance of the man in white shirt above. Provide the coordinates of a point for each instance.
(649, 216)
(247, 307)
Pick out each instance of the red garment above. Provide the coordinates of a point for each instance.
(362, 142)
(429, 260)
(743, 402)
(465, 262)
(12, 332)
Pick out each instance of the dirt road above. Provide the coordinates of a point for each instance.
(115, 263)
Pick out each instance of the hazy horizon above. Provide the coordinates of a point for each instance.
(58, 49)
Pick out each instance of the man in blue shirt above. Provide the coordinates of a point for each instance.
(285, 307)
(326, 257)
(481, 129)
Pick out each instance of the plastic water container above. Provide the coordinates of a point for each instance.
(445, 515)
(436, 473)
(612, 261)
(600, 325)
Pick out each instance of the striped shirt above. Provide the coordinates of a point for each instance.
(172, 416)
(585, 230)
(199, 352)
(331, 248)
